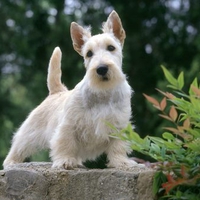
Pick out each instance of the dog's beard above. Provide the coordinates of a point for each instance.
(110, 80)
(105, 78)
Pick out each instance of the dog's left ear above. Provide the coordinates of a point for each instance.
(114, 25)
(79, 36)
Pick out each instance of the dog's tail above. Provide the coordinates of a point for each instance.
(54, 73)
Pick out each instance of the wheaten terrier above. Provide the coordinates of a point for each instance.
(74, 123)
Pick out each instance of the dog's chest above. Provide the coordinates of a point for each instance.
(101, 109)
(97, 100)
(91, 113)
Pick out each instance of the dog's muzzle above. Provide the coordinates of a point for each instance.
(102, 70)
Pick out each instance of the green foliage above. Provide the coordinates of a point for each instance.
(178, 150)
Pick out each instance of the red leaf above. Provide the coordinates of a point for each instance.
(173, 183)
(163, 103)
(167, 94)
(195, 90)
(173, 130)
(165, 117)
(183, 171)
(170, 95)
(173, 113)
(186, 124)
(152, 100)
(178, 132)
(170, 184)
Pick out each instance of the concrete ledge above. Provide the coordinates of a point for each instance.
(38, 181)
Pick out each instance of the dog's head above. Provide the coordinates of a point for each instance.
(102, 53)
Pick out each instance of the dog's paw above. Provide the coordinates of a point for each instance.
(132, 163)
(124, 163)
(68, 164)
(8, 163)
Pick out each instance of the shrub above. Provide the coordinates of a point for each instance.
(177, 152)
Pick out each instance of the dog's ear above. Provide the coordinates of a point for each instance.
(114, 25)
(79, 36)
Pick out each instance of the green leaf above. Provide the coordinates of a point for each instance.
(172, 146)
(168, 136)
(195, 132)
(181, 80)
(155, 148)
(170, 78)
(111, 127)
(129, 128)
(136, 138)
(159, 179)
(163, 152)
(194, 145)
(157, 140)
(147, 142)
(194, 83)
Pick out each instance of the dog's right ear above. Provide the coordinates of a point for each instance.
(114, 25)
(79, 36)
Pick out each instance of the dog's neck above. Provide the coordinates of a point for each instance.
(103, 98)
(93, 98)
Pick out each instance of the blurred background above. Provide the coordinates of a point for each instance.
(158, 32)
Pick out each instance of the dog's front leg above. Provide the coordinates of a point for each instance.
(117, 154)
(64, 148)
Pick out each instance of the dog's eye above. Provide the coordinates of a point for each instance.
(89, 54)
(110, 48)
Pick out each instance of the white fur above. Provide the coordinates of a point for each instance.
(74, 124)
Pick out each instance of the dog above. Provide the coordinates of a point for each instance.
(73, 124)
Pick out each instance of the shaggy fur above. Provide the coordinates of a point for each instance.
(73, 123)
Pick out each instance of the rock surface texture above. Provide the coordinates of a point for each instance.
(38, 181)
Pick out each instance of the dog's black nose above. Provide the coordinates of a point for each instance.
(102, 70)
